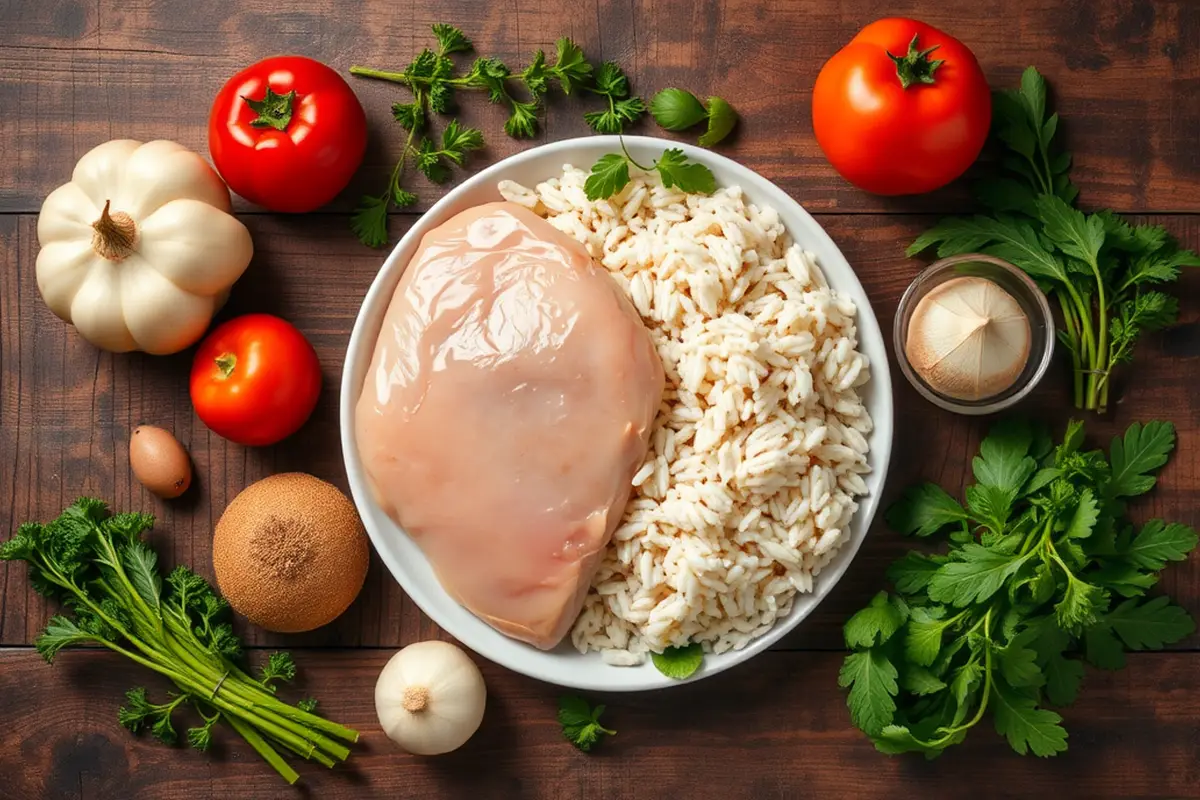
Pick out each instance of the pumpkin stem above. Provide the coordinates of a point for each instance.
(415, 699)
(114, 234)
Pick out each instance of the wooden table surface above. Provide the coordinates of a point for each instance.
(1126, 76)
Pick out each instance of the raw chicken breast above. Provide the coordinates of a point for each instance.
(507, 406)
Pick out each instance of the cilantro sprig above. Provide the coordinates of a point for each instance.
(610, 174)
(96, 565)
(1043, 573)
(434, 79)
(580, 722)
(1104, 272)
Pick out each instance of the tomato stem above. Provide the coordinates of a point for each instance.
(274, 110)
(915, 66)
(225, 364)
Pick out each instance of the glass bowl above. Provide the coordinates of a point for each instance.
(1022, 288)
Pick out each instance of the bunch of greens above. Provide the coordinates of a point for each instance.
(433, 79)
(1043, 573)
(95, 564)
(1100, 269)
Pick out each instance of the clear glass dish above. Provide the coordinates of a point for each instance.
(1032, 301)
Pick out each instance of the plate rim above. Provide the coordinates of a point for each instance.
(383, 286)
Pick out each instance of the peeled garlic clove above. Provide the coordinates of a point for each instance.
(430, 698)
(968, 339)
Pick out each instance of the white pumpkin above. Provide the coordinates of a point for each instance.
(139, 250)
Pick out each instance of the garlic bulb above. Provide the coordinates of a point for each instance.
(430, 698)
(968, 339)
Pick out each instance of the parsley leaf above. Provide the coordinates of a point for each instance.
(609, 175)
(679, 663)
(1160, 542)
(912, 573)
(1027, 727)
(721, 121)
(450, 39)
(580, 722)
(871, 678)
(369, 222)
(677, 109)
(924, 639)
(675, 170)
(924, 510)
(875, 624)
(1142, 450)
(978, 575)
(1150, 625)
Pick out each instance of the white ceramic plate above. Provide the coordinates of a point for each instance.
(564, 665)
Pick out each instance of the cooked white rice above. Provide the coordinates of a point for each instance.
(759, 449)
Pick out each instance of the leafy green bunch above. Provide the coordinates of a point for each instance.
(1101, 270)
(434, 79)
(96, 564)
(1043, 573)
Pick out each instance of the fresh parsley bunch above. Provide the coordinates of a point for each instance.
(1101, 269)
(95, 564)
(1042, 574)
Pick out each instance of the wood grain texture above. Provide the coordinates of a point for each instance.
(67, 410)
(770, 729)
(74, 73)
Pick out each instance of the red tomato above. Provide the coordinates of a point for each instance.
(284, 151)
(902, 109)
(255, 380)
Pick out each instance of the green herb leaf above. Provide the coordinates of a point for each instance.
(923, 641)
(571, 67)
(975, 578)
(871, 678)
(920, 681)
(522, 121)
(912, 573)
(1086, 514)
(1160, 542)
(1027, 727)
(721, 121)
(677, 110)
(874, 624)
(450, 39)
(369, 222)
(924, 510)
(580, 722)
(675, 170)
(611, 80)
(1143, 450)
(679, 663)
(1102, 649)
(1063, 677)
(279, 668)
(609, 175)
(308, 704)
(1150, 625)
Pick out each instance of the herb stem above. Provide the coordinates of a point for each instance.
(630, 159)
(381, 74)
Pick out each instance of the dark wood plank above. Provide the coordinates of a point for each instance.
(777, 728)
(74, 74)
(66, 412)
